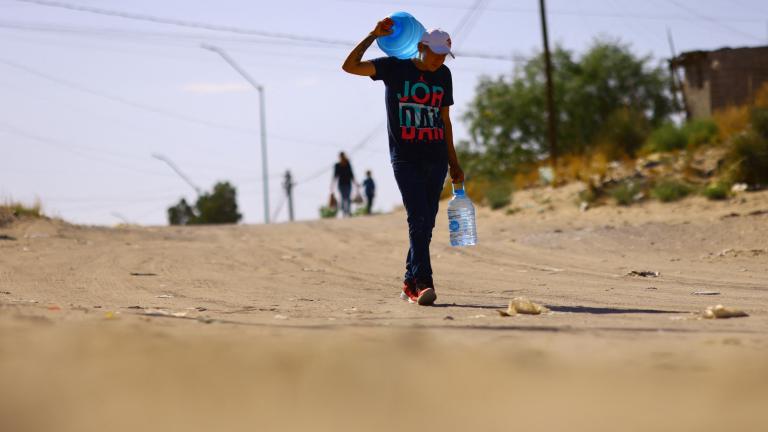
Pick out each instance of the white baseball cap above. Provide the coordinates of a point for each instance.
(438, 41)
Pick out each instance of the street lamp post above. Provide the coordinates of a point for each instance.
(178, 171)
(260, 88)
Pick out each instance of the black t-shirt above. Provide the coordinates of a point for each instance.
(343, 173)
(414, 98)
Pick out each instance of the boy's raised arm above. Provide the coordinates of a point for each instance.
(354, 64)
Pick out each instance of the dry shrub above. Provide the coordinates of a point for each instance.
(731, 121)
(582, 167)
(748, 159)
(10, 211)
(571, 167)
(761, 97)
(525, 179)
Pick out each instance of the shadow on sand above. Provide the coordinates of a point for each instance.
(569, 309)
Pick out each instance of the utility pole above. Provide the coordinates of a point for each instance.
(288, 186)
(260, 88)
(677, 81)
(551, 111)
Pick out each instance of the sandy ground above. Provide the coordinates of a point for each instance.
(299, 326)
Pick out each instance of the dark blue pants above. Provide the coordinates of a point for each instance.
(369, 203)
(346, 206)
(420, 184)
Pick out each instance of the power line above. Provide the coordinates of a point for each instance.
(588, 13)
(469, 19)
(122, 100)
(362, 143)
(714, 21)
(183, 23)
(146, 107)
(125, 33)
(223, 28)
(76, 150)
(278, 208)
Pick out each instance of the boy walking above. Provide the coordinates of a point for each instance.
(418, 96)
(369, 187)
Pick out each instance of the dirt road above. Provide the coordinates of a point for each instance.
(299, 326)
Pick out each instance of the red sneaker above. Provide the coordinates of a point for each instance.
(409, 292)
(426, 296)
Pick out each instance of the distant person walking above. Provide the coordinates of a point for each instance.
(418, 95)
(370, 191)
(344, 178)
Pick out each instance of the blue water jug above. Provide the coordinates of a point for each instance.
(461, 218)
(404, 40)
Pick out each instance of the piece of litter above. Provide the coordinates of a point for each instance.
(739, 187)
(478, 316)
(310, 269)
(524, 306)
(24, 301)
(163, 312)
(110, 315)
(201, 309)
(281, 317)
(54, 308)
(165, 296)
(143, 274)
(705, 293)
(644, 273)
(721, 311)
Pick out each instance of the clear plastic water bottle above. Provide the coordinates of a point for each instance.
(461, 218)
(404, 40)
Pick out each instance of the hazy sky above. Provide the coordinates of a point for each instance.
(86, 99)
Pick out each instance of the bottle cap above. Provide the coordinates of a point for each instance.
(458, 189)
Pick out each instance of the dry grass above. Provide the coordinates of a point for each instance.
(582, 167)
(731, 121)
(12, 210)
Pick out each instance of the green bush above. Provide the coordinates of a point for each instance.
(665, 138)
(590, 195)
(499, 195)
(670, 190)
(748, 159)
(700, 132)
(759, 120)
(216, 207)
(625, 192)
(717, 191)
(328, 212)
(623, 133)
